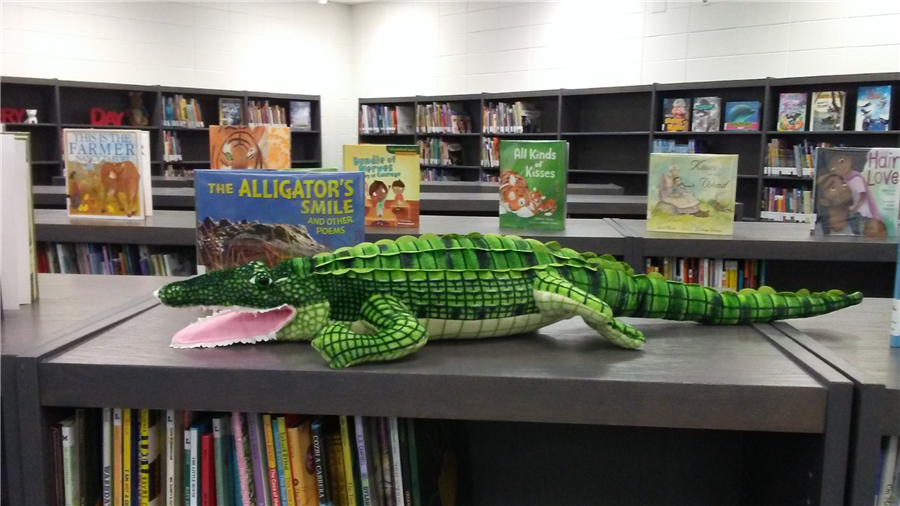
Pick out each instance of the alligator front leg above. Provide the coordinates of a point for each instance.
(398, 334)
(558, 298)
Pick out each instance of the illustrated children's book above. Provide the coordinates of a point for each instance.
(533, 184)
(107, 173)
(272, 216)
(676, 114)
(300, 116)
(827, 110)
(873, 108)
(857, 191)
(742, 115)
(692, 194)
(707, 114)
(392, 182)
(245, 147)
(791, 112)
(231, 111)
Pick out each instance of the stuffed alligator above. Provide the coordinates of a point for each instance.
(385, 300)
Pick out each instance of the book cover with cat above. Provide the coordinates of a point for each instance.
(692, 193)
(246, 147)
(392, 182)
(857, 191)
(533, 184)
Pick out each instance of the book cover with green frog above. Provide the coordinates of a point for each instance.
(533, 184)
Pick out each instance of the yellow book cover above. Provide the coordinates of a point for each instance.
(692, 193)
(118, 499)
(286, 462)
(126, 457)
(145, 453)
(302, 468)
(348, 461)
(245, 147)
(392, 182)
(270, 457)
(103, 175)
(336, 477)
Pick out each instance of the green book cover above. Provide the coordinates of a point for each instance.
(533, 184)
(692, 193)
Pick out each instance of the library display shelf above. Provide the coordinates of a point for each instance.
(67, 104)
(67, 303)
(855, 342)
(779, 411)
(54, 197)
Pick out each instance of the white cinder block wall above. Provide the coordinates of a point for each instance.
(458, 47)
(288, 47)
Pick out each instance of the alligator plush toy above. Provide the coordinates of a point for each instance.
(385, 300)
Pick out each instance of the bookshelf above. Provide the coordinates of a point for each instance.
(67, 104)
(611, 130)
(765, 422)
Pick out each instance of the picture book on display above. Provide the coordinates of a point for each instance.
(742, 115)
(873, 108)
(230, 111)
(692, 193)
(676, 114)
(300, 116)
(272, 216)
(392, 182)
(827, 111)
(856, 191)
(791, 112)
(107, 173)
(533, 184)
(249, 147)
(707, 114)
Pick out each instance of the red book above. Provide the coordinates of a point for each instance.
(207, 471)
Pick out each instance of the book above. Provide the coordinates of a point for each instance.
(856, 191)
(791, 112)
(300, 449)
(873, 108)
(260, 463)
(391, 181)
(150, 461)
(174, 458)
(382, 432)
(56, 446)
(347, 459)
(107, 456)
(127, 451)
(70, 449)
(362, 462)
(826, 111)
(222, 459)
(243, 464)
(197, 430)
(743, 115)
(533, 184)
(676, 114)
(886, 483)
(413, 462)
(692, 193)
(207, 470)
(320, 461)
(271, 462)
(405, 471)
(294, 213)
(249, 147)
(301, 116)
(103, 174)
(231, 111)
(283, 462)
(707, 114)
(396, 466)
(373, 454)
(337, 479)
(117, 482)
(18, 268)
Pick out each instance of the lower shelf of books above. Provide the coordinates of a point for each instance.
(718, 273)
(115, 259)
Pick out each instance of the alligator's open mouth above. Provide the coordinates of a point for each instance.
(234, 325)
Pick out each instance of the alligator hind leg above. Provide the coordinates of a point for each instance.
(398, 333)
(557, 297)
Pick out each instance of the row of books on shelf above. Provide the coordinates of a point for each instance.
(141, 457)
(113, 259)
(706, 115)
(385, 119)
(801, 157)
(171, 147)
(437, 151)
(515, 118)
(689, 146)
(173, 171)
(490, 152)
(180, 112)
(888, 485)
(438, 175)
(261, 113)
(788, 201)
(442, 118)
(718, 273)
(827, 110)
(489, 178)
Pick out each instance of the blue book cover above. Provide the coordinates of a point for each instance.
(742, 115)
(873, 108)
(278, 464)
(272, 216)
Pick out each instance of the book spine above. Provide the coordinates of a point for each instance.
(298, 461)
(414, 463)
(260, 474)
(82, 471)
(187, 468)
(145, 457)
(320, 461)
(404, 463)
(107, 456)
(888, 469)
(195, 467)
(285, 455)
(365, 487)
(237, 426)
(395, 461)
(70, 462)
(126, 457)
(336, 479)
(118, 498)
(270, 459)
(59, 487)
(384, 449)
(279, 463)
(348, 460)
(219, 458)
(207, 471)
(170, 444)
(374, 457)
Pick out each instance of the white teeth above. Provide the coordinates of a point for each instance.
(247, 340)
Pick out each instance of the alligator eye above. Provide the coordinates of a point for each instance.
(261, 280)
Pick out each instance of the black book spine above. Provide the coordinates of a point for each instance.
(404, 463)
(320, 456)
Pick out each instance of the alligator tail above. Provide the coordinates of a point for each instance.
(672, 300)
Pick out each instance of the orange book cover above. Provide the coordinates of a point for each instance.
(245, 147)
(270, 457)
(392, 182)
(300, 446)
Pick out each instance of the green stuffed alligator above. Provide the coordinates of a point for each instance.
(385, 300)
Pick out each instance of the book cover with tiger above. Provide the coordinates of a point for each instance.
(533, 184)
(246, 147)
(392, 182)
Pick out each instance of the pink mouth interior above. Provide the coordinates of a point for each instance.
(234, 327)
